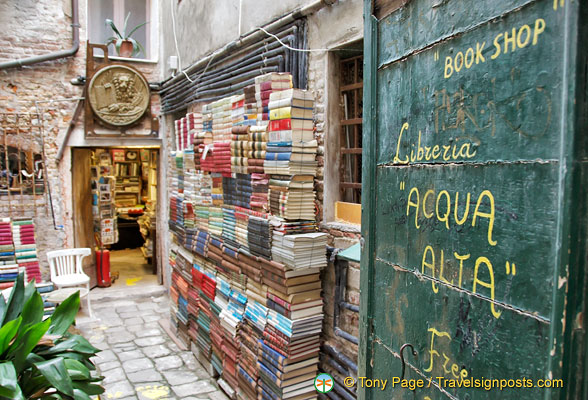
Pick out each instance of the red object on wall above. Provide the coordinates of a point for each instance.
(103, 268)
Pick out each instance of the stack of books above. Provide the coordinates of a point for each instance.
(240, 148)
(217, 189)
(45, 289)
(259, 236)
(221, 119)
(249, 106)
(292, 197)
(291, 149)
(229, 223)
(8, 265)
(288, 356)
(222, 158)
(23, 235)
(193, 310)
(265, 85)
(259, 192)
(300, 251)
(242, 218)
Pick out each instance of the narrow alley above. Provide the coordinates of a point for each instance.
(138, 359)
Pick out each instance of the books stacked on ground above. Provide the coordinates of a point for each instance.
(242, 221)
(244, 190)
(202, 215)
(8, 265)
(292, 197)
(215, 221)
(203, 189)
(259, 236)
(217, 189)
(265, 85)
(300, 251)
(221, 119)
(291, 148)
(23, 235)
(240, 148)
(180, 133)
(249, 106)
(229, 223)
(248, 370)
(195, 125)
(258, 143)
(205, 282)
(193, 313)
(288, 357)
(45, 289)
(229, 191)
(222, 158)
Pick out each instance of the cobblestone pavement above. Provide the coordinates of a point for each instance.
(138, 359)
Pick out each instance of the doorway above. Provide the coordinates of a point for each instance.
(115, 209)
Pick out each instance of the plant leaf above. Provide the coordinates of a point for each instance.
(9, 387)
(21, 348)
(89, 388)
(136, 27)
(64, 315)
(81, 395)
(15, 301)
(8, 332)
(110, 23)
(56, 373)
(77, 371)
(2, 307)
(30, 289)
(32, 312)
(75, 343)
(124, 35)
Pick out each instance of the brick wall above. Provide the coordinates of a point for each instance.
(35, 28)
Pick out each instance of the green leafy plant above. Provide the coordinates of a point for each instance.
(41, 359)
(123, 36)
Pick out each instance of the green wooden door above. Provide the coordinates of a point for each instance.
(474, 207)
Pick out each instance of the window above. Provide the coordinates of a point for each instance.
(117, 10)
(351, 91)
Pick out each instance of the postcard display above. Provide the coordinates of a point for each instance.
(103, 191)
(246, 254)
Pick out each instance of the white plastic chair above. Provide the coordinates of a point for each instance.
(66, 270)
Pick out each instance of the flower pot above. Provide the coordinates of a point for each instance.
(126, 49)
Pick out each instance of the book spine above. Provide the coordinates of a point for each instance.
(277, 156)
(280, 125)
(279, 301)
(280, 113)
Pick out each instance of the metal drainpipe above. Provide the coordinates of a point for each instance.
(75, 33)
(254, 35)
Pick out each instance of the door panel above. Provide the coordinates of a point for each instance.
(82, 208)
(474, 113)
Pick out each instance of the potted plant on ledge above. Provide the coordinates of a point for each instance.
(124, 44)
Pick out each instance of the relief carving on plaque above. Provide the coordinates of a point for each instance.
(118, 95)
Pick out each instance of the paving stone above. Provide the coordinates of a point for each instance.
(191, 389)
(174, 348)
(128, 346)
(148, 375)
(159, 350)
(113, 321)
(218, 395)
(189, 360)
(115, 329)
(104, 356)
(114, 375)
(128, 315)
(149, 341)
(120, 337)
(153, 391)
(179, 377)
(130, 398)
(138, 364)
(147, 306)
(133, 321)
(149, 332)
(130, 355)
(136, 328)
(151, 318)
(169, 362)
(118, 390)
(126, 309)
(108, 366)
